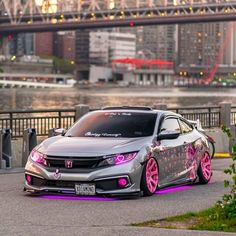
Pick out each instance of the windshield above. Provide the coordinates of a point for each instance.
(114, 124)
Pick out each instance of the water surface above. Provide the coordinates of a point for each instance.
(98, 97)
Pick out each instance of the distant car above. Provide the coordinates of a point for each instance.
(120, 151)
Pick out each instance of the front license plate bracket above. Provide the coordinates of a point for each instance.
(85, 189)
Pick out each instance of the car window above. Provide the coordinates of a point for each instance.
(170, 124)
(186, 128)
(114, 124)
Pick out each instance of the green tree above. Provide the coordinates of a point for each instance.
(64, 66)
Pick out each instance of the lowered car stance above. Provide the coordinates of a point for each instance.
(120, 151)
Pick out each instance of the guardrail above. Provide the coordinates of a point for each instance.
(41, 120)
(209, 116)
(45, 119)
(233, 115)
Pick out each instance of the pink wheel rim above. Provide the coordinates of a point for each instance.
(206, 166)
(151, 175)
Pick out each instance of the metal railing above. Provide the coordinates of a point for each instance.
(233, 115)
(41, 120)
(46, 119)
(209, 116)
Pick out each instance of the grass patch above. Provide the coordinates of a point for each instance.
(194, 221)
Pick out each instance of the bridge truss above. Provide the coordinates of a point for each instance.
(48, 15)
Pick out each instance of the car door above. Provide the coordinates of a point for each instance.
(170, 152)
(189, 159)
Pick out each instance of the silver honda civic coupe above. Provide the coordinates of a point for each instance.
(120, 151)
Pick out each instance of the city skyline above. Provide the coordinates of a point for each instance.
(161, 42)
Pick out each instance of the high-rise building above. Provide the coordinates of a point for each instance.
(4, 46)
(198, 43)
(82, 47)
(99, 48)
(153, 41)
(228, 40)
(44, 44)
(205, 44)
(64, 45)
(106, 46)
(21, 44)
(157, 42)
(121, 45)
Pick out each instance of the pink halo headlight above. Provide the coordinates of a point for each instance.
(118, 159)
(123, 158)
(38, 157)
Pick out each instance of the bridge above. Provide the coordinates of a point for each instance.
(47, 15)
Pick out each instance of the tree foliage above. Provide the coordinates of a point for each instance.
(226, 208)
(63, 66)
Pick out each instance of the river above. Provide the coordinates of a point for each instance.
(98, 97)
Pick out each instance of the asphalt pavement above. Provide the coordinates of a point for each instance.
(21, 214)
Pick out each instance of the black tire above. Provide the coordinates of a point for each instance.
(200, 172)
(144, 185)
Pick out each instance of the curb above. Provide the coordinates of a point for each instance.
(222, 155)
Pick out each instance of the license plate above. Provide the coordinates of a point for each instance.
(85, 189)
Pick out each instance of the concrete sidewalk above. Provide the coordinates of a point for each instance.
(12, 170)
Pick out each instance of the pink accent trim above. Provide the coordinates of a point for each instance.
(173, 189)
(152, 175)
(206, 166)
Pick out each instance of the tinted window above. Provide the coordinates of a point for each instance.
(186, 128)
(170, 124)
(114, 124)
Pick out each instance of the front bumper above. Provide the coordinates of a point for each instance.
(44, 180)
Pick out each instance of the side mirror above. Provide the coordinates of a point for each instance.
(167, 134)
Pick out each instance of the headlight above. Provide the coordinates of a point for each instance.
(38, 157)
(118, 159)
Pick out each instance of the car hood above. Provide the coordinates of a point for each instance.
(80, 146)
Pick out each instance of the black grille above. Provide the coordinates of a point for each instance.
(78, 162)
(37, 181)
(60, 184)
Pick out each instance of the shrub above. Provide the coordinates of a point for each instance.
(226, 208)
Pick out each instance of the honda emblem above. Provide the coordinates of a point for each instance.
(68, 164)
